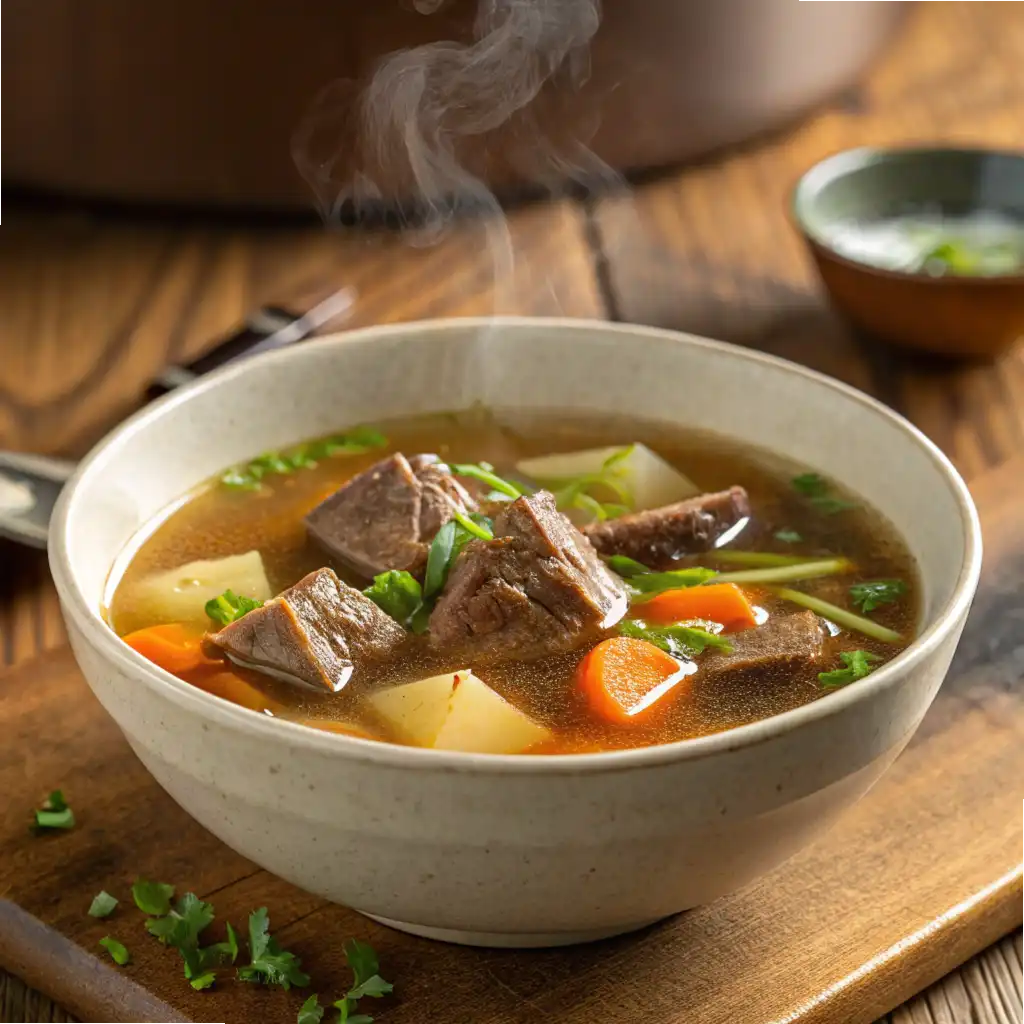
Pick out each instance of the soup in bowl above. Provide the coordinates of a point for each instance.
(476, 626)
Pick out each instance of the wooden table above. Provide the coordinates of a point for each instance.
(94, 302)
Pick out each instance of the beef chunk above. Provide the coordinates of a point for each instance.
(659, 536)
(316, 632)
(386, 517)
(537, 588)
(785, 645)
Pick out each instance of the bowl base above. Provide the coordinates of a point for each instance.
(509, 940)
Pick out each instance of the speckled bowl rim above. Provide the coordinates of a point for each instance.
(87, 617)
(838, 165)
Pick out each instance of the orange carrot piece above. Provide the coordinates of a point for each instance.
(624, 676)
(172, 647)
(716, 602)
(234, 688)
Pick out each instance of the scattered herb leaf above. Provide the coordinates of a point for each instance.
(397, 593)
(362, 958)
(55, 813)
(651, 583)
(203, 981)
(788, 536)
(311, 1011)
(869, 596)
(117, 951)
(856, 667)
(102, 905)
(679, 640)
(818, 490)
(152, 897)
(230, 606)
(270, 964)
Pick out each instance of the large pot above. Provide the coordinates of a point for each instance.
(191, 102)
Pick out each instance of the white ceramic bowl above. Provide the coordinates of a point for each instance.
(504, 850)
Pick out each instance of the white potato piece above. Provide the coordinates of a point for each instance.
(650, 479)
(180, 595)
(467, 716)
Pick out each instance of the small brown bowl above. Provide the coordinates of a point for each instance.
(952, 314)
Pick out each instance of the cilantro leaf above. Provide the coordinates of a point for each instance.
(819, 491)
(181, 928)
(102, 905)
(152, 897)
(55, 813)
(650, 583)
(270, 964)
(230, 606)
(869, 596)
(311, 1011)
(857, 666)
(788, 536)
(679, 640)
(203, 981)
(831, 505)
(117, 951)
(362, 959)
(397, 593)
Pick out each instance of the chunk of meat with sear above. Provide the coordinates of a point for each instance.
(386, 517)
(316, 632)
(660, 536)
(537, 588)
(785, 646)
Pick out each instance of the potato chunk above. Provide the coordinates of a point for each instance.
(456, 711)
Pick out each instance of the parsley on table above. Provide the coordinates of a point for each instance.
(819, 492)
(117, 951)
(362, 958)
(230, 606)
(55, 814)
(203, 981)
(857, 666)
(679, 640)
(270, 964)
(152, 897)
(102, 905)
(788, 536)
(311, 1011)
(869, 596)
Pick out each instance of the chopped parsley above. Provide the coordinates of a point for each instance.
(362, 958)
(680, 640)
(819, 492)
(54, 814)
(398, 594)
(249, 475)
(152, 897)
(270, 964)
(102, 905)
(230, 606)
(788, 536)
(857, 666)
(117, 951)
(484, 472)
(869, 596)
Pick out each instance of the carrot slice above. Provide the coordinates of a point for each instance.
(171, 646)
(237, 690)
(624, 676)
(716, 602)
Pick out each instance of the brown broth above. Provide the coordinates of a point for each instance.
(216, 521)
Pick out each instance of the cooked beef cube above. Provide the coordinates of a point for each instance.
(786, 645)
(386, 517)
(659, 536)
(537, 588)
(317, 632)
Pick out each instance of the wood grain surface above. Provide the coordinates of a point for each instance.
(94, 302)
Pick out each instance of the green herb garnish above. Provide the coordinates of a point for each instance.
(840, 616)
(270, 964)
(102, 905)
(55, 813)
(362, 958)
(818, 490)
(647, 585)
(117, 951)
(857, 667)
(398, 594)
(626, 567)
(311, 1012)
(484, 472)
(869, 596)
(446, 545)
(788, 536)
(248, 476)
(152, 897)
(578, 492)
(203, 981)
(680, 640)
(230, 606)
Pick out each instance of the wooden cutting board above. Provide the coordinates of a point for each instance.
(924, 872)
